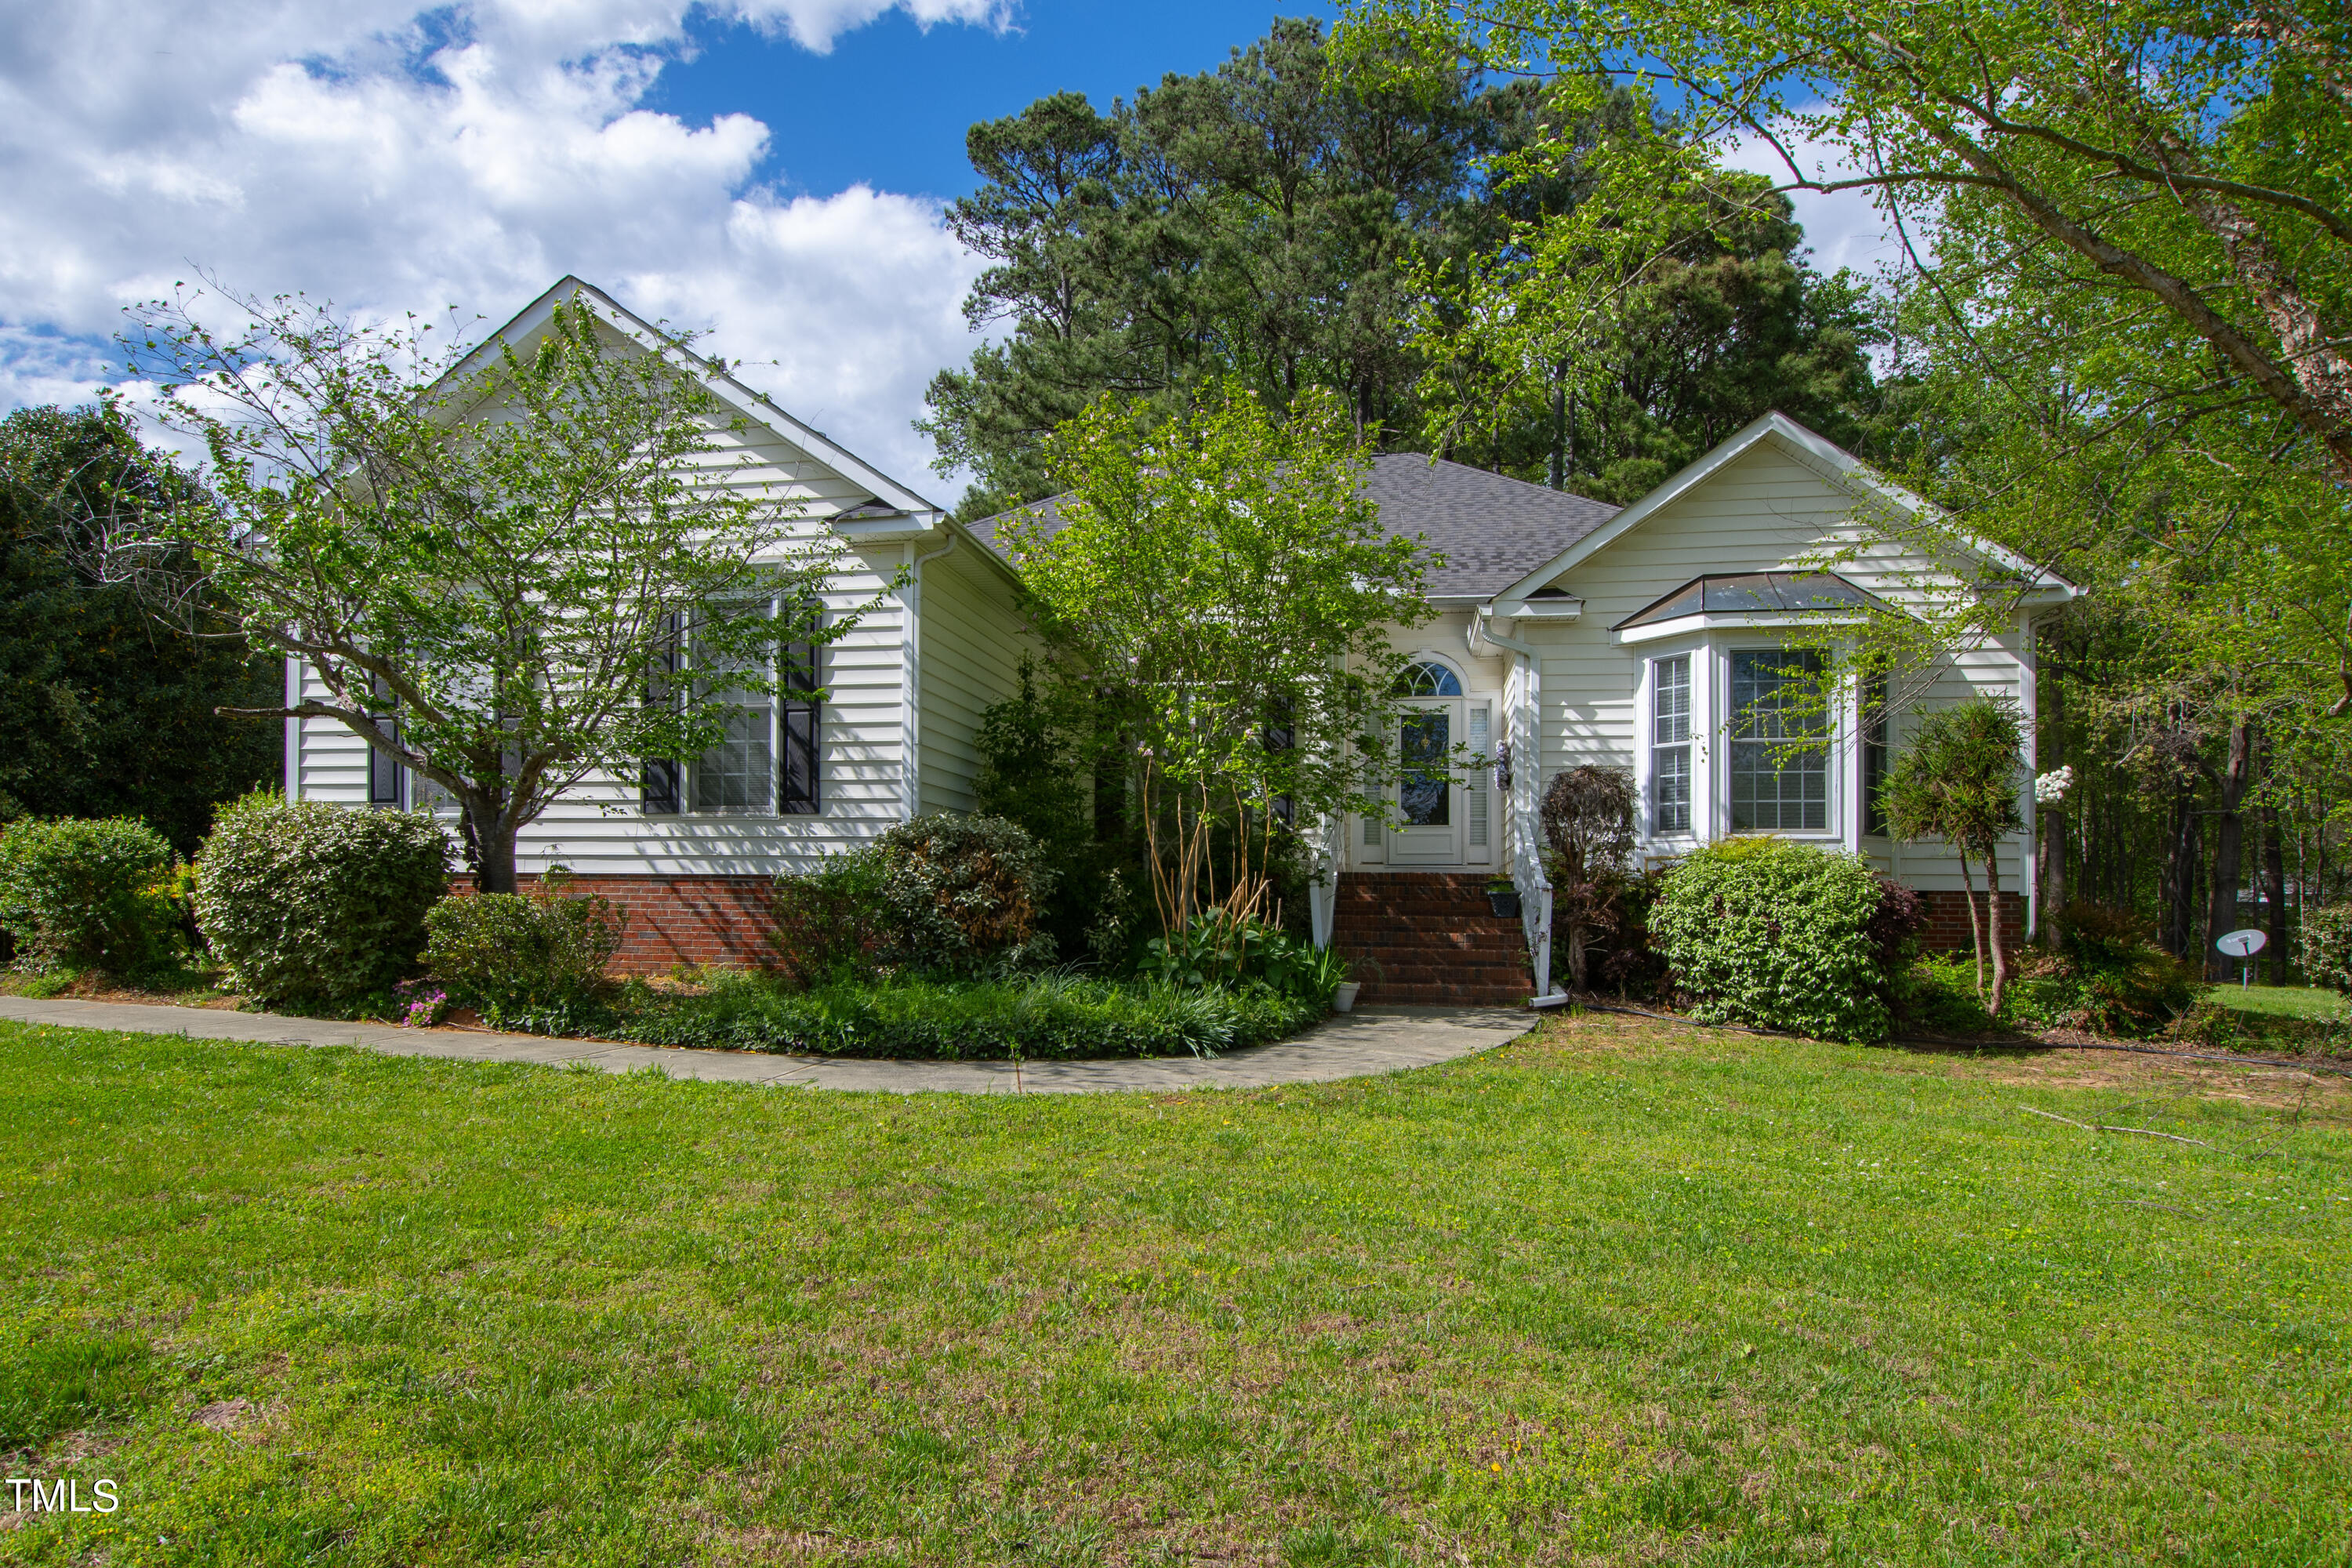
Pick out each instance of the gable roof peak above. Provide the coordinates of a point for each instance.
(714, 373)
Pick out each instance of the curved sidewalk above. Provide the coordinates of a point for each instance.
(1347, 1045)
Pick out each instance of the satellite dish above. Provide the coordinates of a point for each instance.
(2243, 943)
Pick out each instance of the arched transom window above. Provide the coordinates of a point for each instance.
(1427, 678)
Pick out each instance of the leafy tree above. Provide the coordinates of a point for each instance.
(493, 563)
(1222, 578)
(2190, 159)
(1956, 779)
(104, 711)
(1279, 221)
(1645, 308)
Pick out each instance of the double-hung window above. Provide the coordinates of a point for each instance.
(770, 756)
(1670, 745)
(1780, 765)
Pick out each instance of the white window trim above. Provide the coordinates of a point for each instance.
(1710, 665)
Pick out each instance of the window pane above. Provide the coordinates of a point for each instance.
(1424, 794)
(1672, 711)
(1669, 790)
(738, 774)
(1775, 787)
(1428, 679)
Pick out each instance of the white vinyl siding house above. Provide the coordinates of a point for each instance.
(1683, 701)
(1566, 632)
(894, 731)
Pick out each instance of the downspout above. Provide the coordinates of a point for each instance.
(293, 729)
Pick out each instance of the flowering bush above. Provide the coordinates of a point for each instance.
(422, 1004)
(2049, 788)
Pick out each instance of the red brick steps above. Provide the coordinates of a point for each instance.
(1433, 938)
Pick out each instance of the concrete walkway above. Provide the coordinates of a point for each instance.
(1350, 1045)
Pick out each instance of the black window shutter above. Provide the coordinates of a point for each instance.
(384, 773)
(661, 787)
(800, 731)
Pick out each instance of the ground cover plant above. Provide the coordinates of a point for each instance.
(1035, 1017)
(1619, 1293)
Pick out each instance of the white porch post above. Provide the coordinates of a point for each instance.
(1323, 893)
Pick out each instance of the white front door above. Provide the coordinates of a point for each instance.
(1429, 787)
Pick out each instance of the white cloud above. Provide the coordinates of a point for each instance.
(393, 158)
(1843, 227)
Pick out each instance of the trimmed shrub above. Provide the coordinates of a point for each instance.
(1776, 935)
(2326, 944)
(513, 953)
(316, 903)
(1033, 1018)
(2107, 976)
(87, 895)
(831, 923)
(941, 895)
(963, 894)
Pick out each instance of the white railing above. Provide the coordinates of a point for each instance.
(1535, 897)
(1524, 708)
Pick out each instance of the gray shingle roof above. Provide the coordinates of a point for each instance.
(1491, 531)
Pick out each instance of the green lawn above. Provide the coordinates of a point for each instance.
(1621, 1293)
(2279, 1001)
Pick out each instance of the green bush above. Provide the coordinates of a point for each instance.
(511, 954)
(1938, 994)
(2106, 975)
(1778, 935)
(1034, 1018)
(942, 895)
(830, 924)
(2326, 945)
(314, 903)
(87, 895)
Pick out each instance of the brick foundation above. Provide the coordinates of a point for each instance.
(1947, 921)
(720, 920)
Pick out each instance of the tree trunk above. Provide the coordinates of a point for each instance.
(1976, 927)
(2274, 885)
(1559, 436)
(2050, 846)
(1992, 928)
(490, 847)
(2179, 889)
(2229, 847)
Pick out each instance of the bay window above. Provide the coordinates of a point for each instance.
(1779, 756)
(1670, 745)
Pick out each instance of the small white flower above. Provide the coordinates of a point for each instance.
(2048, 789)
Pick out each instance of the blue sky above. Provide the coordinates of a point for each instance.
(769, 171)
(889, 104)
